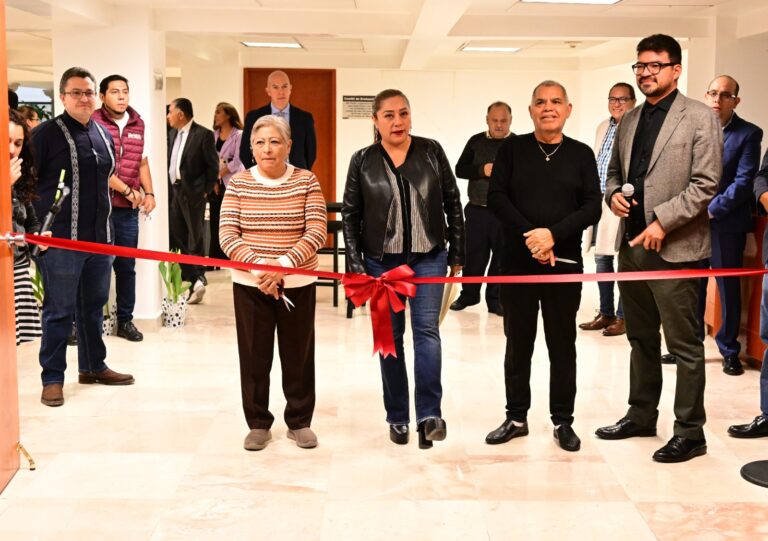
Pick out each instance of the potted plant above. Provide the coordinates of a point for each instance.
(175, 301)
(109, 322)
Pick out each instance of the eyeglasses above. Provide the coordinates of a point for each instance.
(653, 67)
(622, 100)
(715, 95)
(78, 94)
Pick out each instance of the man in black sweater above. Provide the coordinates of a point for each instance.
(482, 227)
(545, 191)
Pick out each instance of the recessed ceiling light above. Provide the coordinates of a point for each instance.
(594, 2)
(489, 49)
(272, 45)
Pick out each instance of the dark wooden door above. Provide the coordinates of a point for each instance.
(9, 391)
(313, 90)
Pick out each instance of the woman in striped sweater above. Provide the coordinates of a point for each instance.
(274, 214)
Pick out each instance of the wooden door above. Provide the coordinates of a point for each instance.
(313, 90)
(9, 392)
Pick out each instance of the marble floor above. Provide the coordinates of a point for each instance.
(163, 459)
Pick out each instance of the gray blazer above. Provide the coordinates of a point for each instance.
(683, 175)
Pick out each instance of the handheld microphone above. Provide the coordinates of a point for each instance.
(628, 191)
(62, 192)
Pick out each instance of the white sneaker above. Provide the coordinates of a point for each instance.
(196, 292)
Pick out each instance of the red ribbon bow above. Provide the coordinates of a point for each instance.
(383, 294)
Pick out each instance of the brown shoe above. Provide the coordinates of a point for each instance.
(53, 395)
(106, 377)
(257, 439)
(600, 322)
(616, 328)
(304, 437)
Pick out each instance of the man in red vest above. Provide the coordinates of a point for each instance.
(131, 189)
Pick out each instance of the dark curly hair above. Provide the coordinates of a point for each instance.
(26, 186)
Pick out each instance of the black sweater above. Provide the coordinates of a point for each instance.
(528, 192)
(480, 149)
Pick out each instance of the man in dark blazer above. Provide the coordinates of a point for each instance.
(730, 213)
(670, 151)
(759, 427)
(193, 168)
(304, 143)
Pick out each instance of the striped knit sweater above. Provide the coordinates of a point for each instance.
(283, 219)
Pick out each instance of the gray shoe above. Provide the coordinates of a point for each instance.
(196, 292)
(304, 437)
(257, 439)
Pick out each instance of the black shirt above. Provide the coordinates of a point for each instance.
(95, 164)
(528, 192)
(480, 149)
(648, 127)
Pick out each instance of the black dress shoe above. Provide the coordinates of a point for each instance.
(732, 365)
(668, 358)
(460, 304)
(127, 330)
(680, 449)
(567, 438)
(506, 432)
(624, 428)
(432, 429)
(398, 434)
(756, 429)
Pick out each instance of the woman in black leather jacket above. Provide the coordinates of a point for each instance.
(398, 195)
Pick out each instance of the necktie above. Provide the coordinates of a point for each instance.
(173, 166)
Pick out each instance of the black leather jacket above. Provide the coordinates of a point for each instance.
(368, 197)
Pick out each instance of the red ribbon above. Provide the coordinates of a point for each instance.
(383, 294)
(383, 291)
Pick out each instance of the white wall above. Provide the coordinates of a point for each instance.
(448, 106)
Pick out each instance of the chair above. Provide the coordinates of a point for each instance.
(334, 228)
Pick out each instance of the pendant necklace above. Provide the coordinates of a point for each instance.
(548, 155)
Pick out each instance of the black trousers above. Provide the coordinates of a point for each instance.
(484, 239)
(559, 304)
(186, 222)
(257, 316)
(214, 212)
(670, 305)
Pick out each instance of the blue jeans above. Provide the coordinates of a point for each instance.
(126, 222)
(604, 263)
(764, 338)
(76, 286)
(425, 315)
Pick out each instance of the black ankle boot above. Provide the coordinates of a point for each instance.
(398, 434)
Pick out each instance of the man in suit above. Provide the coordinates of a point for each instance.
(304, 144)
(759, 427)
(193, 169)
(730, 213)
(670, 150)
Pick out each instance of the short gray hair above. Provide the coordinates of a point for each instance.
(546, 83)
(272, 121)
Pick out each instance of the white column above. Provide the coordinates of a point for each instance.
(208, 81)
(125, 44)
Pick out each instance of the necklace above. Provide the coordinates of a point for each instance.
(547, 156)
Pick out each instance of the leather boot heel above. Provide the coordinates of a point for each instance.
(435, 429)
(424, 443)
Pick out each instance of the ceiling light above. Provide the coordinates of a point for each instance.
(593, 2)
(272, 44)
(489, 49)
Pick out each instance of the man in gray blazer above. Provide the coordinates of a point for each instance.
(670, 151)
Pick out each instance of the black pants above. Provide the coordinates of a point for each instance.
(559, 304)
(214, 211)
(671, 305)
(483, 245)
(186, 222)
(257, 316)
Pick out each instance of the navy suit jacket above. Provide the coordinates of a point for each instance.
(303, 146)
(731, 208)
(761, 186)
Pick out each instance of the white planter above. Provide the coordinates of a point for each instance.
(174, 314)
(109, 323)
